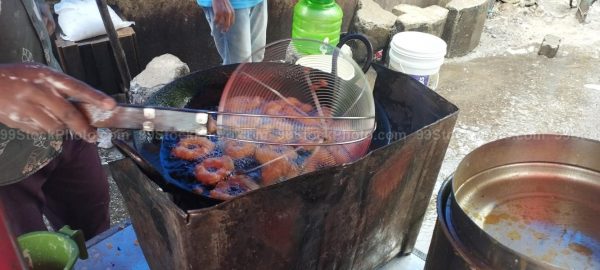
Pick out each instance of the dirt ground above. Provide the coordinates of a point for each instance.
(515, 30)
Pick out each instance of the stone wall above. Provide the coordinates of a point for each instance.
(390, 4)
(459, 22)
(179, 27)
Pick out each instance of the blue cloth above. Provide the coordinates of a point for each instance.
(245, 37)
(236, 4)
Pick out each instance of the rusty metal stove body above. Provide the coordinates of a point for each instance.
(356, 216)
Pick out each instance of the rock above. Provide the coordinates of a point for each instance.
(429, 20)
(592, 86)
(528, 3)
(549, 46)
(511, 1)
(516, 51)
(159, 72)
(104, 138)
(109, 155)
(464, 26)
(506, 7)
(374, 22)
(583, 9)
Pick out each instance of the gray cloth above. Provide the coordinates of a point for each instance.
(24, 40)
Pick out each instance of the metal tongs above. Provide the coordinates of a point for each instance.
(211, 123)
(135, 117)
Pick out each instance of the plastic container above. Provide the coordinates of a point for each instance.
(318, 20)
(420, 55)
(53, 250)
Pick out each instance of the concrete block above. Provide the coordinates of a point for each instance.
(549, 46)
(428, 20)
(439, 16)
(464, 26)
(374, 22)
(390, 4)
(405, 8)
(436, 11)
(159, 72)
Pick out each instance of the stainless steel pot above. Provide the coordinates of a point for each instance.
(527, 202)
(446, 250)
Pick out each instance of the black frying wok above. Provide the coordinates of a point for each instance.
(199, 90)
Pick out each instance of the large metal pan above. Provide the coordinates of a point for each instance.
(199, 90)
(530, 202)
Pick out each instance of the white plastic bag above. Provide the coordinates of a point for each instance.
(80, 19)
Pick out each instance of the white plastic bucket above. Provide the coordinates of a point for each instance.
(419, 55)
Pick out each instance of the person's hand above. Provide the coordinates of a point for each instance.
(224, 14)
(48, 18)
(33, 99)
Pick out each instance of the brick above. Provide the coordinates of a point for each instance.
(464, 26)
(549, 46)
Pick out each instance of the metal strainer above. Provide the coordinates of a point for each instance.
(321, 105)
(293, 98)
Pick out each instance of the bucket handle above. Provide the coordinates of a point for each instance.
(78, 238)
(346, 37)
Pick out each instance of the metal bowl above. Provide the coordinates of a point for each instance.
(531, 202)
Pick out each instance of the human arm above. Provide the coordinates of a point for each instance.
(34, 99)
(224, 14)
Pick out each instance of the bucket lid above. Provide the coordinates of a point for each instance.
(419, 45)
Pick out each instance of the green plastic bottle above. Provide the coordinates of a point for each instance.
(317, 19)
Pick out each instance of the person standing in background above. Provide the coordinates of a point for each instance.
(239, 28)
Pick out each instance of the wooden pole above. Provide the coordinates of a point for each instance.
(117, 49)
